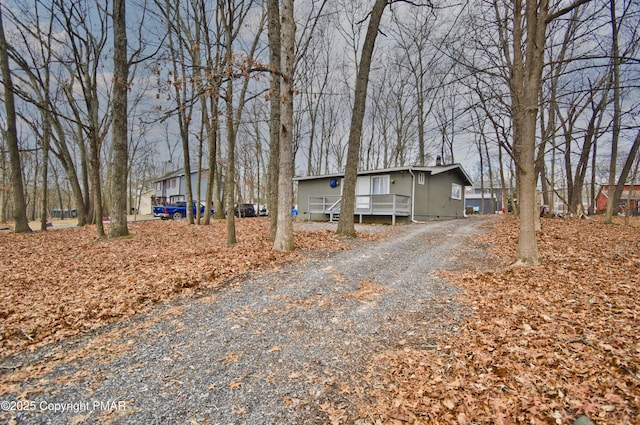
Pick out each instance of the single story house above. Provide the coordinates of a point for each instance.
(416, 193)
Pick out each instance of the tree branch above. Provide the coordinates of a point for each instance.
(565, 10)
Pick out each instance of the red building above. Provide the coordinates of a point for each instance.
(630, 192)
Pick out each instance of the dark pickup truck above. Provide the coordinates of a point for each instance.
(175, 211)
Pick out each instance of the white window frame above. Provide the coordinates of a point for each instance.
(456, 191)
(421, 178)
(384, 187)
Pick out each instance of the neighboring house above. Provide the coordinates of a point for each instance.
(142, 205)
(483, 200)
(172, 188)
(405, 193)
(630, 192)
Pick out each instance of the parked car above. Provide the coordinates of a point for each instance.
(175, 211)
(245, 210)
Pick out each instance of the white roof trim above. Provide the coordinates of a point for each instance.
(433, 170)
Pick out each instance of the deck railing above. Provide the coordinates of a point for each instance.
(324, 204)
(392, 204)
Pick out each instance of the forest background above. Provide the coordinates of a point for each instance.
(200, 94)
(447, 80)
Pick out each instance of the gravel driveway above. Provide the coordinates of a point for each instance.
(282, 346)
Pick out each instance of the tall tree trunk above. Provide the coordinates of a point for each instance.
(212, 144)
(85, 159)
(4, 183)
(20, 208)
(181, 85)
(525, 86)
(59, 193)
(592, 186)
(184, 118)
(273, 12)
(118, 226)
(525, 82)
(211, 120)
(96, 182)
(230, 176)
(284, 233)
(612, 208)
(346, 227)
(46, 141)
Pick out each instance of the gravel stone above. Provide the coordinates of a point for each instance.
(279, 346)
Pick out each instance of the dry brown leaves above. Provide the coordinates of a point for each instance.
(62, 283)
(544, 344)
(368, 291)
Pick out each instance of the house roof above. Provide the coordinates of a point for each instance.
(487, 196)
(433, 170)
(178, 173)
(487, 185)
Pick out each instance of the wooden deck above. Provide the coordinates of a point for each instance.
(392, 205)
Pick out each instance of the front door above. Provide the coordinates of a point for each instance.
(363, 190)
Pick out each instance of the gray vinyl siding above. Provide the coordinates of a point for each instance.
(433, 199)
(316, 187)
(402, 183)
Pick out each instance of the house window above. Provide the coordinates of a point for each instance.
(421, 178)
(380, 185)
(456, 191)
(158, 186)
(173, 183)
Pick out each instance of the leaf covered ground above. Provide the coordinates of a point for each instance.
(541, 345)
(537, 345)
(62, 283)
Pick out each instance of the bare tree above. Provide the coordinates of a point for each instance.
(346, 226)
(621, 55)
(526, 59)
(594, 126)
(314, 77)
(86, 40)
(118, 227)
(275, 54)
(209, 83)
(50, 87)
(421, 42)
(44, 88)
(39, 78)
(284, 232)
(180, 47)
(612, 205)
(233, 17)
(20, 209)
